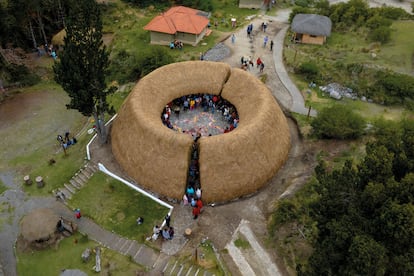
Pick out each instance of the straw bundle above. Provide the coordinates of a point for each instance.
(231, 165)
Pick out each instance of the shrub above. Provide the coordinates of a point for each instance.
(381, 34)
(309, 70)
(21, 74)
(339, 122)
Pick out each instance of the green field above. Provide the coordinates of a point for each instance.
(115, 206)
(67, 255)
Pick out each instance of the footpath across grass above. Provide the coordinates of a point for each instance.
(116, 207)
(67, 255)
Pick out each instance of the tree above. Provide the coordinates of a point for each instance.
(339, 122)
(83, 64)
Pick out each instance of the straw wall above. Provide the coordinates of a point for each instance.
(155, 156)
(242, 161)
(232, 164)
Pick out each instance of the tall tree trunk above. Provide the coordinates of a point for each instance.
(41, 26)
(99, 117)
(32, 34)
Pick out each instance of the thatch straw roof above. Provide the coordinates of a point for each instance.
(39, 225)
(58, 39)
(232, 164)
(312, 24)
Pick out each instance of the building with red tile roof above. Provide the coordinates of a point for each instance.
(178, 23)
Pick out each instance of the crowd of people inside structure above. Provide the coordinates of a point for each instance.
(205, 102)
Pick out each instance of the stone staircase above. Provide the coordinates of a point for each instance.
(177, 268)
(77, 181)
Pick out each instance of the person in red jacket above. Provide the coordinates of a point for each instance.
(196, 212)
(199, 204)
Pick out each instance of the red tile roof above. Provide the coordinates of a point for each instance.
(178, 19)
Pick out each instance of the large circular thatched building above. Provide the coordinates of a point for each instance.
(232, 164)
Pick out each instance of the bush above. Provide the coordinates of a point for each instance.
(20, 74)
(381, 34)
(309, 69)
(338, 122)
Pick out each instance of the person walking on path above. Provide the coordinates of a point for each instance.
(271, 45)
(196, 212)
(233, 38)
(261, 67)
(265, 40)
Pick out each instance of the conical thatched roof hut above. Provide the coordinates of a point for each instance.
(39, 225)
(59, 38)
(231, 165)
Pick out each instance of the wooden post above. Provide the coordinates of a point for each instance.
(39, 182)
(309, 110)
(27, 180)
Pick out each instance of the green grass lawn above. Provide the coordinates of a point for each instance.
(30, 134)
(115, 207)
(67, 255)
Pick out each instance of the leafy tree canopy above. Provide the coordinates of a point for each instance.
(83, 63)
(364, 212)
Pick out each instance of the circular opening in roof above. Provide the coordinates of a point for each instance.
(200, 114)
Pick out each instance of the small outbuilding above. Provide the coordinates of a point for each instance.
(311, 28)
(179, 23)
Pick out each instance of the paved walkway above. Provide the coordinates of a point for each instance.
(298, 103)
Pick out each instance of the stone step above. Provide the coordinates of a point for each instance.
(82, 176)
(86, 173)
(74, 184)
(69, 188)
(133, 249)
(79, 180)
(94, 168)
(189, 271)
(146, 256)
(169, 269)
(181, 269)
(66, 192)
(120, 243)
(161, 262)
(124, 248)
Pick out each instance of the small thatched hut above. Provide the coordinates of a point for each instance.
(311, 28)
(38, 228)
(231, 165)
